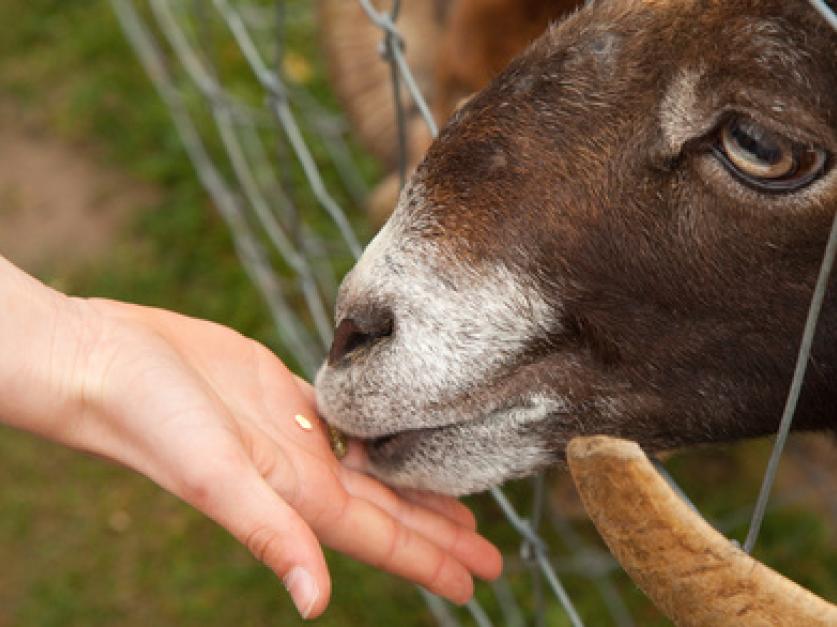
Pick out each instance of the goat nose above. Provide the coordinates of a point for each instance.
(360, 331)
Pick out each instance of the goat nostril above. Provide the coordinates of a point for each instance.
(354, 333)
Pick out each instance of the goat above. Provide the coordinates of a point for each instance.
(454, 47)
(619, 235)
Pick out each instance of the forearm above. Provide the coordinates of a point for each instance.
(42, 335)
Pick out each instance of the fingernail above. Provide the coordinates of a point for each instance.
(303, 590)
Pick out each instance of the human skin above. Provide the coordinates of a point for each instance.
(208, 414)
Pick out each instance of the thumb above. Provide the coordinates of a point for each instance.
(246, 506)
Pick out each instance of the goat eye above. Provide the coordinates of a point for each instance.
(765, 160)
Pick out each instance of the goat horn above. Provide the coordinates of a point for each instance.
(692, 573)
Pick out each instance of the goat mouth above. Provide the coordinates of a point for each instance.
(388, 446)
(394, 447)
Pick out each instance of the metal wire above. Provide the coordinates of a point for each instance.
(827, 13)
(242, 180)
(533, 542)
(252, 150)
(801, 360)
(795, 389)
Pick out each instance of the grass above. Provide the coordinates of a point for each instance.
(85, 543)
(66, 562)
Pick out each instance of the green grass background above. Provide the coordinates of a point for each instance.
(85, 543)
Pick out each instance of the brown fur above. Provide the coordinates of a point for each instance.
(479, 40)
(685, 293)
(362, 79)
(454, 48)
(676, 294)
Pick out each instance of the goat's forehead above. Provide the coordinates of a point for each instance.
(779, 54)
(780, 31)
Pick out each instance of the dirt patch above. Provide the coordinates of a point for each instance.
(60, 206)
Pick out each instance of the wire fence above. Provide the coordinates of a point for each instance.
(279, 167)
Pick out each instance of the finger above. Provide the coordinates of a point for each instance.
(465, 546)
(368, 533)
(356, 458)
(447, 506)
(306, 389)
(243, 503)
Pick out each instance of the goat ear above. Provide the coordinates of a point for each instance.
(690, 571)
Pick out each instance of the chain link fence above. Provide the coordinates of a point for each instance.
(280, 168)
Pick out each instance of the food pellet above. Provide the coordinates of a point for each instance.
(338, 442)
(303, 422)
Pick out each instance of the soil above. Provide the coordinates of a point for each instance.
(61, 207)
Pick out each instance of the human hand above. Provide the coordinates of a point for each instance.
(209, 415)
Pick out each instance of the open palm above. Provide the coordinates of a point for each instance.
(209, 415)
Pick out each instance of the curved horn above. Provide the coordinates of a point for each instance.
(692, 573)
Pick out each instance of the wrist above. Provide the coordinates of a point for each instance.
(45, 336)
